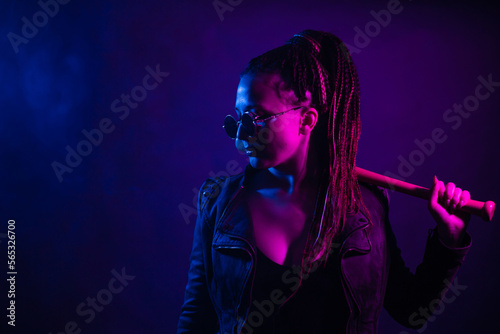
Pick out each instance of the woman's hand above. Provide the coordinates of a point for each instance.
(443, 205)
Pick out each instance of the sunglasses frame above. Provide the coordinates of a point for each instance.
(255, 121)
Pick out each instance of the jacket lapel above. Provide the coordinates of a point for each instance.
(233, 230)
(355, 234)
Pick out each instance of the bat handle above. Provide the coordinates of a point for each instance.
(485, 210)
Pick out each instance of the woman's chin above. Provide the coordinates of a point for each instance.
(259, 163)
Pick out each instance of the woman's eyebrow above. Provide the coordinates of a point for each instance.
(258, 109)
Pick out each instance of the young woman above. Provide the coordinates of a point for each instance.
(296, 244)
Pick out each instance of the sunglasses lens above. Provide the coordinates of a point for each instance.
(248, 124)
(231, 126)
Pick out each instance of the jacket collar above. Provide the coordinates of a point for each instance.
(233, 228)
(355, 233)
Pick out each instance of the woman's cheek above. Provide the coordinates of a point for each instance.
(281, 125)
(265, 136)
(277, 126)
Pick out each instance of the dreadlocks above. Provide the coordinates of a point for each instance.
(319, 63)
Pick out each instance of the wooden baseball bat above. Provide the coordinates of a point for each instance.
(485, 210)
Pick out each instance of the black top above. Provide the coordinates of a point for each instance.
(317, 306)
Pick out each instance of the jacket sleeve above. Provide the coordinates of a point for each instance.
(411, 298)
(197, 312)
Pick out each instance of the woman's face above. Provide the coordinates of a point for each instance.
(280, 141)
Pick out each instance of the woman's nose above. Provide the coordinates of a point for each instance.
(242, 132)
(241, 135)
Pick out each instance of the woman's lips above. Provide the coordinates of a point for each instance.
(250, 151)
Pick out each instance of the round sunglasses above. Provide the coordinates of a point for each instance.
(248, 122)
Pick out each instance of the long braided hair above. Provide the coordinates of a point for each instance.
(319, 63)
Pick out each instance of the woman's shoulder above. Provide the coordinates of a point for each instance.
(217, 188)
(374, 196)
(226, 184)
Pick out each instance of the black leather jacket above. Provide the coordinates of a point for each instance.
(218, 292)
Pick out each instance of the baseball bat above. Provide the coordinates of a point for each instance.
(485, 210)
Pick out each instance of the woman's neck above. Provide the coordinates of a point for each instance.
(298, 178)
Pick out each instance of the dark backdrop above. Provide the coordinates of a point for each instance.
(124, 206)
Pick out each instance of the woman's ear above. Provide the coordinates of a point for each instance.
(309, 120)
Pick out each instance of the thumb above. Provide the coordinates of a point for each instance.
(434, 205)
(434, 191)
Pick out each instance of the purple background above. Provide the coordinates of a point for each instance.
(119, 208)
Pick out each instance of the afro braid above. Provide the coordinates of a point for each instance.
(319, 63)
